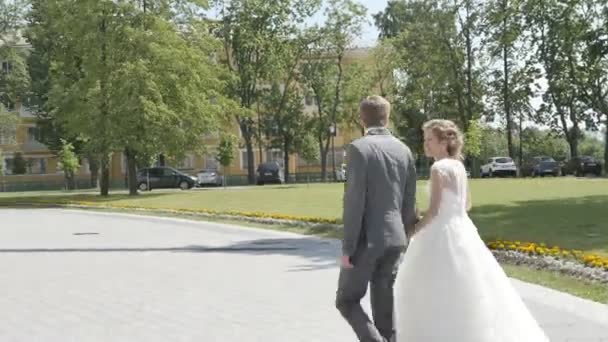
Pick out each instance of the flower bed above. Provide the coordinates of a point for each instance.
(534, 249)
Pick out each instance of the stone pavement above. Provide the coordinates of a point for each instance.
(83, 276)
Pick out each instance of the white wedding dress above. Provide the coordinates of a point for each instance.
(449, 287)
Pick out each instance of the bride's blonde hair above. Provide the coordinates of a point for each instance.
(448, 131)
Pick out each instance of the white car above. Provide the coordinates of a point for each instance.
(341, 173)
(209, 177)
(499, 166)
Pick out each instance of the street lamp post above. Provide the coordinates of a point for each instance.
(332, 132)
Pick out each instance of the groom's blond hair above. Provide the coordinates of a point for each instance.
(375, 111)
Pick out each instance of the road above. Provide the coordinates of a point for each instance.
(68, 275)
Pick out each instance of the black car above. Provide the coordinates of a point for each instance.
(270, 173)
(540, 166)
(163, 178)
(581, 166)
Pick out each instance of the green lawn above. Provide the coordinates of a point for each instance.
(580, 288)
(569, 212)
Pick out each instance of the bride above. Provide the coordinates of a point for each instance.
(449, 287)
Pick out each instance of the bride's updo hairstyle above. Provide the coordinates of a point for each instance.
(446, 130)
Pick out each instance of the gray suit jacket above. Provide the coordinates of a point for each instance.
(380, 196)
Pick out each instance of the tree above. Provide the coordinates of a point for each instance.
(392, 21)
(284, 118)
(384, 64)
(226, 150)
(251, 30)
(594, 70)
(2, 171)
(14, 80)
(472, 146)
(356, 87)
(41, 36)
(69, 163)
(493, 143)
(429, 72)
(539, 142)
(323, 71)
(8, 125)
(287, 124)
(127, 79)
(557, 28)
(504, 27)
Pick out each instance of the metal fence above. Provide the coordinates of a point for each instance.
(231, 180)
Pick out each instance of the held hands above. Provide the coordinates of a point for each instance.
(345, 262)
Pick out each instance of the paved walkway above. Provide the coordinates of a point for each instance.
(84, 276)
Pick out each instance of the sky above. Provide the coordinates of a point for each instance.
(369, 35)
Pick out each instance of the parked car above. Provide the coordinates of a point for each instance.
(209, 177)
(270, 173)
(341, 173)
(540, 166)
(499, 166)
(164, 178)
(581, 166)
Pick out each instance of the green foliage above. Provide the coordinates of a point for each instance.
(2, 171)
(68, 160)
(123, 76)
(226, 149)
(14, 79)
(592, 146)
(493, 144)
(543, 143)
(473, 139)
(254, 32)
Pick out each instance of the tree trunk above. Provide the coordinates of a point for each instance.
(250, 161)
(131, 171)
(247, 134)
(69, 180)
(506, 97)
(324, 150)
(286, 148)
(94, 169)
(105, 175)
(572, 138)
(469, 44)
(323, 166)
(161, 160)
(606, 145)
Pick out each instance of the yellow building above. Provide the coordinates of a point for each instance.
(43, 171)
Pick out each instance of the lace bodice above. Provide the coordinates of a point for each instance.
(448, 188)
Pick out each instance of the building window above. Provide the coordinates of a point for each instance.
(36, 166)
(310, 100)
(275, 155)
(211, 162)
(244, 161)
(33, 134)
(7, 67)
(187, 162)
(9, 164)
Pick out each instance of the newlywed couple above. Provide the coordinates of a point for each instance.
(447, 287)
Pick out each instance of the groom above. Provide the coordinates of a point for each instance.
(379, 215)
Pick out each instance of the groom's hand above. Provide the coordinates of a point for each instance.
(345, 261)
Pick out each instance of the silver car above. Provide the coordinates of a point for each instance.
(209, 177)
